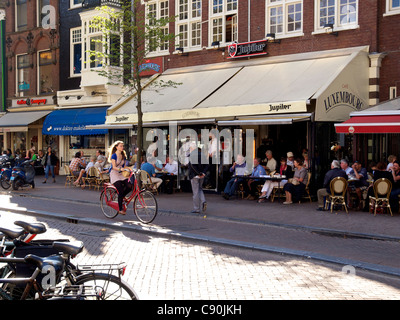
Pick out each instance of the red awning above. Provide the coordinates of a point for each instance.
(370, 124)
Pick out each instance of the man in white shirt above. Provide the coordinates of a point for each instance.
(172, 168)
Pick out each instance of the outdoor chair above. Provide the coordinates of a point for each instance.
(307, 189)
(277, 191)
(90, 178)
(69, 178)
(337, 197)
(382, 188)
(101, 178)
(147, 183)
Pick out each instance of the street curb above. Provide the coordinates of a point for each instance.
(138, 227)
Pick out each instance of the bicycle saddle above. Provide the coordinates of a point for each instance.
(71, 248)
(55, 261)
(12, 233)
(34, 228)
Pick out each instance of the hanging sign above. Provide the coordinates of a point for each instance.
(247, 49)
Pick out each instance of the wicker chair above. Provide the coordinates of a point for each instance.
(90, 178)
(382, 188)
(338, 188)
(147, 183)
(69, 178)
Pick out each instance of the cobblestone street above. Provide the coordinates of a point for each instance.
(161, 268)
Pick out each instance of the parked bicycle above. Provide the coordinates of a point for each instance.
(22, 278)
(145, 205)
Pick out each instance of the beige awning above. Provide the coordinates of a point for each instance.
(19, 121)
(267, 86)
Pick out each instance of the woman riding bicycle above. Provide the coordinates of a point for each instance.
(118, 160)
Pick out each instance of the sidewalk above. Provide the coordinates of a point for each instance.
(271, 227)
(303, 215)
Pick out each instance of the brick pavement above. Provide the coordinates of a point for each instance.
(272, 227)
(169, 269)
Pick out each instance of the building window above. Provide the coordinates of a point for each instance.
(342, 14)
(189, 24)
(75, 3)
(392, 92)
(392, 7)
(23, 68)
(41, 15)
(157, 10)
(45, 71)
(284, 17)
(223, 21)
(22, 15)
(76, 52)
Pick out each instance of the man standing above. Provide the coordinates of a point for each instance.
(335, 171)
(197, 172)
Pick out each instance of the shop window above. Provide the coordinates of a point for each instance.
(23, 74)
(21, 15)
(45, 72)
(76, 51)
(284, 18)
(223, 21)
(342, 14)
(87, 142)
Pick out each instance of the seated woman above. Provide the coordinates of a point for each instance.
(118, 160)
(294, 189)
(269, 185)
(238, 168)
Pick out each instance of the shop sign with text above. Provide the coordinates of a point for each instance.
(247, 49)
(24, 102)
(151, 66)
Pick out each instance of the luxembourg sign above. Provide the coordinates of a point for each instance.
(247, 49)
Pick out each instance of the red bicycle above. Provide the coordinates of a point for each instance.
(144, 203)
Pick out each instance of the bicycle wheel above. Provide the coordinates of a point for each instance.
(107, 195)
(145, 206)
(110, 287)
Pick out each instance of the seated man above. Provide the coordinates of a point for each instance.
(359, 182)
(77, 164)
(335, 171)
(394, 195)
(251, 186)
(84, 172)
(270, 163)
(238, 168)
(149, 167)
(172, 171)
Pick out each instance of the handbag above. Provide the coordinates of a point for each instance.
(294, 182)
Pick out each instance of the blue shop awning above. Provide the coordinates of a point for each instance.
(74, 122)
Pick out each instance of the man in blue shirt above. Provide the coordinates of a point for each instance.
(149, 167)
(250, 187)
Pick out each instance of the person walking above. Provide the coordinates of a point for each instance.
(49, 161)
(197, 172)
(118, 160)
